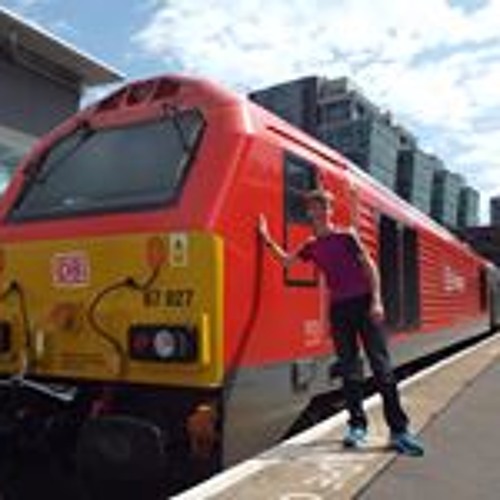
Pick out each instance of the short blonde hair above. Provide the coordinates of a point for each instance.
(319, 196)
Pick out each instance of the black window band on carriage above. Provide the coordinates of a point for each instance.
(133, 167)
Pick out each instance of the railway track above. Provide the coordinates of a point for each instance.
(40, 474)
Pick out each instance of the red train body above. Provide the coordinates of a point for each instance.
(268, 348)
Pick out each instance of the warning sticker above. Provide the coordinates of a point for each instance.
(179, 250)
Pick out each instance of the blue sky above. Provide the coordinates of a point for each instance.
(434, 63)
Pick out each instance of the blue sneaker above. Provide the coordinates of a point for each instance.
(407, 444)
(354, 437)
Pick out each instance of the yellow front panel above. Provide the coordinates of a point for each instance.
(71, 304)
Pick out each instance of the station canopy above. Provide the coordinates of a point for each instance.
(29, 45)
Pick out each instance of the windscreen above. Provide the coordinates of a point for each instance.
(111, 169)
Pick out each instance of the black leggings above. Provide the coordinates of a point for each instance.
(351, 319)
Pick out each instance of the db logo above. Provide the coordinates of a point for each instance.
(70, 269)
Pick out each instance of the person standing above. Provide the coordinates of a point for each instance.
(356, 312)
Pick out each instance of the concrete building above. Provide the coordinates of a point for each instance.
(445, 196)
(415, 174)
(495, 211)
(42, 80)
(294, 101)
(468, 207)
(349, 122)
(485, 240)
(337, 112)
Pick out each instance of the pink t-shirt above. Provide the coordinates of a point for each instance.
(337, 255)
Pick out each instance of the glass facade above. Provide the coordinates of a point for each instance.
(293, 101)
(495, 211)
(366, 140)
(415, 177)
(468, 207)
(384, 145)
(445, 195)
(351, 138)
(336, 112)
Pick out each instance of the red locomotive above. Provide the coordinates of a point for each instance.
(139, 311)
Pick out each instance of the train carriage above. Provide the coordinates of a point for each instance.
(139, 307)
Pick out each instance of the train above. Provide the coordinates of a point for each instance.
(147, 338)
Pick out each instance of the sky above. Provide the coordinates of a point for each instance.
(434, 64)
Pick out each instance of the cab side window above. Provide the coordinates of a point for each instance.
(300, 177)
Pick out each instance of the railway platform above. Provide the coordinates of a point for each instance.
(454, 407)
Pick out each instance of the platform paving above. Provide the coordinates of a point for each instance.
(455, 408)
(463, 451)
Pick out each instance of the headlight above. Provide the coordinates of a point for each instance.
(168, 343)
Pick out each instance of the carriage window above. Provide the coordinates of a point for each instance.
(300, 177)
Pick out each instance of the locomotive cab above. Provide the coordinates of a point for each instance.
(111, 282)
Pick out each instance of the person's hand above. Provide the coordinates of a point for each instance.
(377, 309)
(263, 228)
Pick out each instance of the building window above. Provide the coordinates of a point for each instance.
(335, 111)
(359, 111)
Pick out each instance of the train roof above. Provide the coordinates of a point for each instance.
(176, 87)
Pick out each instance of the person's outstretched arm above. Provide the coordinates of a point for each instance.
(286, 258)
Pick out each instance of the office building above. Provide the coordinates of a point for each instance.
(337, 113)
(468, 207)
(349, 122)
(415, 176)
(485, 240)
(445, 195)
(495, 211)
(294, 101)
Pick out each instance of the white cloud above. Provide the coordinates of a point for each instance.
(484, 149)
(435, 64)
